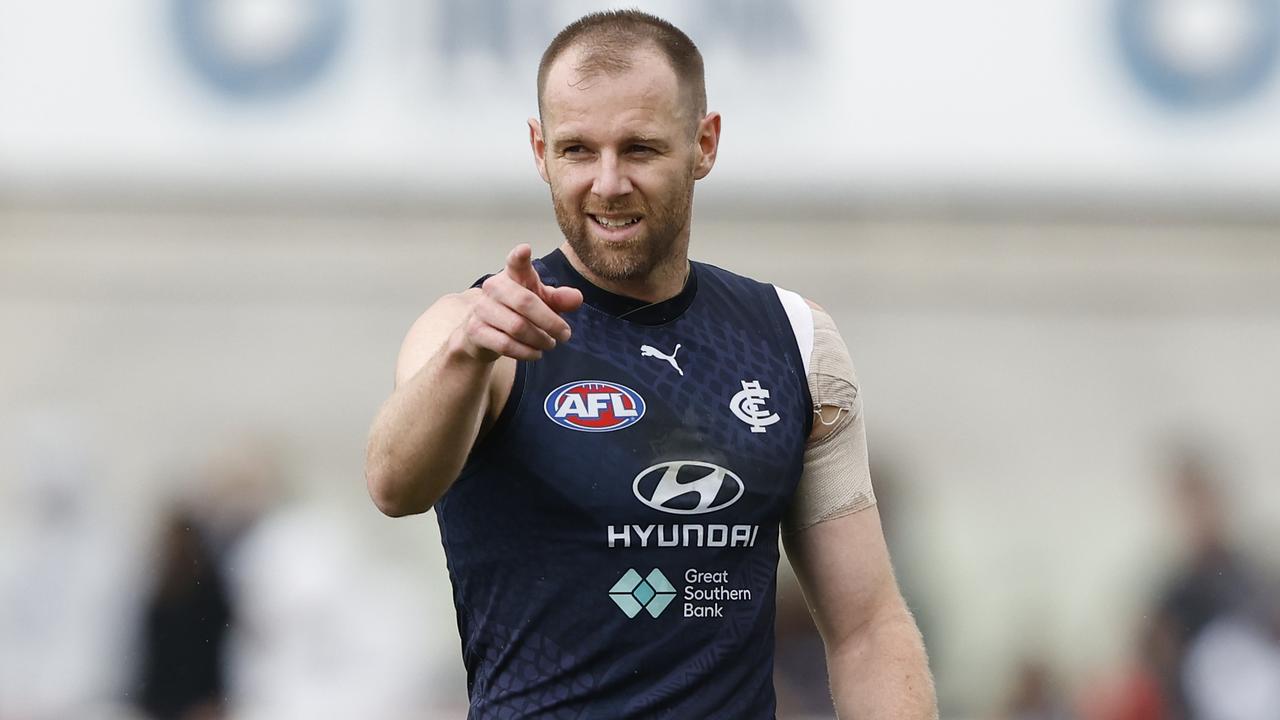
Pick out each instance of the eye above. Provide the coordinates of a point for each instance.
(574, 151)
(641, 150)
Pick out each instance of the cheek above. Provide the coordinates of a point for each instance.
(560, 180)
(660, 185)
(571, 181)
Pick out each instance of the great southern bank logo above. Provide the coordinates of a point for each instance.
(687, 487)
(652, 593)
(594, 406)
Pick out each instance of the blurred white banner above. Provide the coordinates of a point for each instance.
(1148, 99)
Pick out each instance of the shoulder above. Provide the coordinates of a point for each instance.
(826, 341)
(432, 330)
(814, 318)
(443, 314)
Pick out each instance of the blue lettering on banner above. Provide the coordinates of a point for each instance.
(1247, 61)
(305, 51)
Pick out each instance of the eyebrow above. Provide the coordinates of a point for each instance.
(639, 139)
(565, 140)
(645, 140)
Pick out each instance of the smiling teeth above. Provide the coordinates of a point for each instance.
(616, 223)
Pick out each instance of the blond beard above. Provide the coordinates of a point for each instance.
(639, 257)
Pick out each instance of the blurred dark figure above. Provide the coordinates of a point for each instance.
(1136, 692)
(1215, 615)
(1035, 695)
(241, 483)
(906, 544)
(800, 661)
(186, 622)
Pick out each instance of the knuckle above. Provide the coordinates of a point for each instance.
(487, 310)
(481, 336)
(509, 323)
(511, 348)
(528, 302)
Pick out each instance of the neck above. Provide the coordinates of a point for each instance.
(663, 283)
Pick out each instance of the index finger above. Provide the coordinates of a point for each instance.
(520, 268)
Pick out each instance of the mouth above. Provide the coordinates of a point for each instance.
(616, 227)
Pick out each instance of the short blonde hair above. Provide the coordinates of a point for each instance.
(609, 40)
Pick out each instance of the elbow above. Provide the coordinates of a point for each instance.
(393, 508)
(393, 496)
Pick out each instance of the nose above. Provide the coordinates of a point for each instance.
(611, 178)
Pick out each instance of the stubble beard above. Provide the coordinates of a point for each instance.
(637, 258)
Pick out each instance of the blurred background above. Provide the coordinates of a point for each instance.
(1050, 233)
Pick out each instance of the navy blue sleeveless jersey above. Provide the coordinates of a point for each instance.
(613, 539)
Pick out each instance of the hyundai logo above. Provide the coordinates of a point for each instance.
(687, 487)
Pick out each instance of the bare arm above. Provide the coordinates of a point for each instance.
(453, 376)
(875, 656)
(424, 431)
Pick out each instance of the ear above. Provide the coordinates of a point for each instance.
(708, 142)
(539, 147)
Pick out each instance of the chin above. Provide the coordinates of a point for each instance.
(612, 260)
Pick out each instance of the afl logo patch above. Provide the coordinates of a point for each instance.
(594, 406)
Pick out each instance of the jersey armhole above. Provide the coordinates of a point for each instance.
(479, 453)
(800, 318)
(502, 424)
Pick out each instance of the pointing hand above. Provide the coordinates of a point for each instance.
(517, 315)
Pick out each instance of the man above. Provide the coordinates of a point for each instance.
(612, 435)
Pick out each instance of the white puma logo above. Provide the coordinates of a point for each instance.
(651, 351)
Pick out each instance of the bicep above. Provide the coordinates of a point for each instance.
(844, 570)
(429, 334)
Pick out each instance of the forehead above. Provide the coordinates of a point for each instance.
(648, 93)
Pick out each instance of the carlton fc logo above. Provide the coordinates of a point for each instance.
(594, 406)
(687, 487)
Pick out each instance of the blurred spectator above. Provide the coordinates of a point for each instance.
(1209, 650)
(65, 581)
(800, 661)
(1232, 672)
(188, 618)
(902, 535)
(327, 631)
(185, 627)
(244, 481)
(1214, 606)
(1136, 693)
(1035, 695)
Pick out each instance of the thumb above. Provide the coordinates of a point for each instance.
(562, 299)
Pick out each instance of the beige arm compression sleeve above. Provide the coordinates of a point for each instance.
(836, 480)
